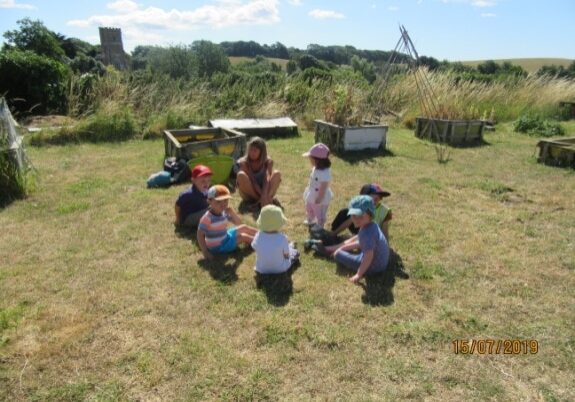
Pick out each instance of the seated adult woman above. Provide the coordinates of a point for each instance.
(257, 181)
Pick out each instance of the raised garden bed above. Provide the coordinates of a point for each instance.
(194, 143)
(351, 138)
(557, 152)
(452, 132)
(278, 127)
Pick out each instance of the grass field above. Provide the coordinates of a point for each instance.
(100, 300)
(529, 65)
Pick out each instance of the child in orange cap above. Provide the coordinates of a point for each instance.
(214, 236)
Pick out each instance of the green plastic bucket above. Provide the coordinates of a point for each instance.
(221, 166)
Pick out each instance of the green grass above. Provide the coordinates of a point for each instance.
(101, 300)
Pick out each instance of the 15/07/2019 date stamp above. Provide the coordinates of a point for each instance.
(495, 346)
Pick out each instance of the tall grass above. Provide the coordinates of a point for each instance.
(160, 102)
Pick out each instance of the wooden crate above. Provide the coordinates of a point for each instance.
(350, 138)
(557, 152)
(194, 143)
(452, 132)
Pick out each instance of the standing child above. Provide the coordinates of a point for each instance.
(317, 194)
(257, 180)
(274, 253)
(214, 236)
(374, 250)
(193, 202)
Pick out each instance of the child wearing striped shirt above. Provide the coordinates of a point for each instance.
(214, 236)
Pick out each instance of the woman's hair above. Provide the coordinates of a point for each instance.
(260, 144)
(322, 163)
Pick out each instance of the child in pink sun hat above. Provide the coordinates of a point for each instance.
(317, 194)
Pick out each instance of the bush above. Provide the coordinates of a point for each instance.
(169, 120)
(101, 127)
(536, 126)
(39, 81)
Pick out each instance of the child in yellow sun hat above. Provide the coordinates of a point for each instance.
(274, 253)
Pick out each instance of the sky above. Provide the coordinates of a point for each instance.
(454, 30)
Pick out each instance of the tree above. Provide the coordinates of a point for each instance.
(39, 81)
(210, 58)
(364, 67)
(34, 36)
(291, 67)
(430, 62)
(488, 67)
(308, 61)
(175, 61)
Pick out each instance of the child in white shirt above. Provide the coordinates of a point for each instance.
(274, 253)
(317, 194)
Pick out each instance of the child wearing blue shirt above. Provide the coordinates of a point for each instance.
(374, 249)
(192, 203)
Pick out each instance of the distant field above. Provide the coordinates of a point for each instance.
(236, 60)
(530, 65)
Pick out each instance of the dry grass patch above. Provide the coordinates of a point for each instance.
(101, 300)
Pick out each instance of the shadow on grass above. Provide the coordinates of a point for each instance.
(251, 208)
(223, 267)
(278, 287)
(470, 144)
(184, 232)
(378, 288)
(367, 155)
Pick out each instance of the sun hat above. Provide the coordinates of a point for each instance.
(373, 188)
(219, 192)
(271, 219)
(361, 204)
(319, 150)
(201, 170)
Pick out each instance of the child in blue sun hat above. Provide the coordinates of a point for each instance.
(373, 255)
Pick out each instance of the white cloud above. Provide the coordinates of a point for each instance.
(393, 8)
(295, 2)
(483, 3)
(488, 15)
(325, 14)
(123, 6)
(474, 3)
(221, 14)
(13, 4)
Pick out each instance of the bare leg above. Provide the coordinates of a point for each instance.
(245, 229)
(245, 238)
(274, 183)
(245, 188)
(309, 212)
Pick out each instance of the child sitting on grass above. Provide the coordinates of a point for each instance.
(374, 250)
(274, 253)
(214, 236)
(192, 203)
(382, 214)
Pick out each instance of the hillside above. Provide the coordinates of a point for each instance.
(530, 65)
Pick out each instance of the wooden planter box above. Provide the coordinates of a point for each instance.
(194, 143)
(350, 138)
(265, 128)
(452, 132)
(557, 152)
